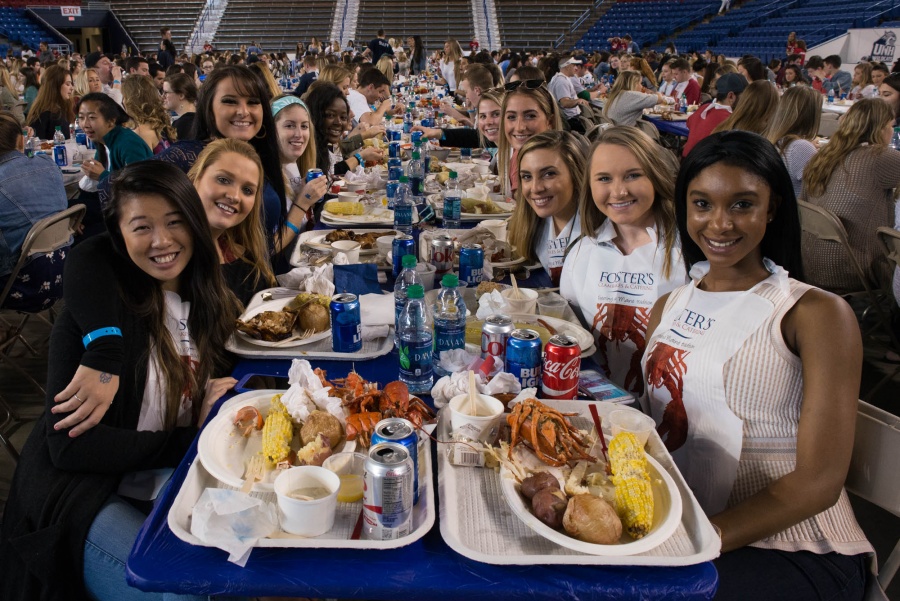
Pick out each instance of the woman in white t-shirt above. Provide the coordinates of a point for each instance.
(551, 180)
(628, 256)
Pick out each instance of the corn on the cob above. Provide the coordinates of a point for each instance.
(339, 207)
(634, 495)
(277, 433)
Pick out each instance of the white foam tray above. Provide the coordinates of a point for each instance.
(477, 522)
(198, 479)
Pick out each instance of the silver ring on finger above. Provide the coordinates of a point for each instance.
(75, 396)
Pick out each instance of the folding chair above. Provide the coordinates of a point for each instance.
(873, 476)
(47, 235)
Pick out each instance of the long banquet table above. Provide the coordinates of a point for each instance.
(424, 569)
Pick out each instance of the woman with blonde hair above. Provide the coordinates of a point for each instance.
(385, 64)
(648, 79)
(629, 254)
(528, 109)
(149, 119)
(339, 75)
(449, 64)
(853, 176)
(263, 71)
(626, 102)
(545, 220)
(86, 82)
(757, 105)
(53, 105)
(793, 130)
(9, 98)
(863, 86)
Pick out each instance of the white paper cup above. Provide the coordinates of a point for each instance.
(426, 271)
(384, 244)
(350, 468)
(347, 247)
(497, 227)
(306, 518)
(348, 196)
(526, 304)
(474, 427)
(552, 305)
(629, 420)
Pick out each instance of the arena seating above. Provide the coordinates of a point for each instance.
(19, 29)
(646, 22)
(536, 24)
(143, 19)
(434, 20)
(275, 25)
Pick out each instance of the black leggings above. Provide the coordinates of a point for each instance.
(770, 575)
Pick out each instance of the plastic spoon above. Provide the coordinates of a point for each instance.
(516, 294)
(473, 395)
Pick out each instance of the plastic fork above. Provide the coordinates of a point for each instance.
(254, 472)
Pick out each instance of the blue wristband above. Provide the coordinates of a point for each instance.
(292, 227)
(100, 333)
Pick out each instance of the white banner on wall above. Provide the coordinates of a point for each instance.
(878, 44)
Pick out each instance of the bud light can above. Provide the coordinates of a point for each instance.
(465, 155)
(313, 174)
(523, 357)
(390, 190)
(395, 135)
(346, 326)
(562, 364)
(60, 156)
(395, 168)
(401, 431)
(80, 138)
(471, 264)
(495, 335)
(402, 245)
(442, 255)
(394, 150)
(388, 495)
(416, 138)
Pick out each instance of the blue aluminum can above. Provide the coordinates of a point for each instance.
(80, 138)
(60, 156)
(402, 245)
(465, 154)
(523, 357)
(416, 138)
(394, 150)
(471, 264)
(346, 326)
(401, 431)
(391, 192)
(313, 174)
(394, 135)
(395, 168)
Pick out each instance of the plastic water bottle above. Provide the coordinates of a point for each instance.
(407, 277)
(415, 172)
(416, 343)
(684, 103)
(59, 147)
(403, 207)
(830, 95)
(452, 203)
(407, 121)
(895, 139)
(426, 159)
(449, 320)
(390, 191)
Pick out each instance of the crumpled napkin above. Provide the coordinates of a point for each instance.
(309, 279)
(490, 304)
(458, 383)
(478, 192)
(377, 309)
(233, 521)
(306, 393)
(360, 278)
(359, 176)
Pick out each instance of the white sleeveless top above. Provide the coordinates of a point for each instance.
(612, 294)
(726, 392)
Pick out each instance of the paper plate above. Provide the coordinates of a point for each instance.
(666, 516)
(277, 305)
(371, 216)
(224, 452)
(316, 239)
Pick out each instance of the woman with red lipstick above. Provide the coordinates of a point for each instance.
(752, 397)
(629, 254)
(81, 501)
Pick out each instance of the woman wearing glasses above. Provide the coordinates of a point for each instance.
(528, 109)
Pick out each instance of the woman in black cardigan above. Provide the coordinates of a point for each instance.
(64, 511)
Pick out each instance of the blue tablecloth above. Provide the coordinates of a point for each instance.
(678, 128)
(425, 569)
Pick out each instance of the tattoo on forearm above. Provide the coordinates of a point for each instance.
(105, 377)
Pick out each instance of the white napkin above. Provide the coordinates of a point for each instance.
(306, 394)
(490, 304)
(340, 259)
(478, 192)
(458, 383)
(358, 176)
(232, 521)
(306, 279)
(377, 309)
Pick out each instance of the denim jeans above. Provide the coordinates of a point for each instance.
(106, 549)
(751, 573)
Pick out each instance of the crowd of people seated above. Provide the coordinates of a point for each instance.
(196, 193)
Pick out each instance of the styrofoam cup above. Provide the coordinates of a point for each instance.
(629, 420)
(474, 427)
(497, 227)
(526, 304)
(348, 196)
(306, 518)
(347, 247)
(426, 271)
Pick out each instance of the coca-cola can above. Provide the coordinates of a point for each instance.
(442, 255)
(494, 336)
(562, 363)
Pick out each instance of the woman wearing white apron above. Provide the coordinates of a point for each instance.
(613, 275)
(546, 220)
(753, 397)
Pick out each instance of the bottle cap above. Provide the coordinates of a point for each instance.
(404, 179)
(453, 175)
(450, 279)
(416, 290)
(408, 261)
(416, 155)
(59, 128)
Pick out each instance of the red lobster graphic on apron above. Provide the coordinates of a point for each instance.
(666, 369)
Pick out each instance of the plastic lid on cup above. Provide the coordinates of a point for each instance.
(416, 290)
(449, 280)
(408, 261)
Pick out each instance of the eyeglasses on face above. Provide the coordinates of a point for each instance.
(530, 84)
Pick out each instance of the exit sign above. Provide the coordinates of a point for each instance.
(70, 11)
